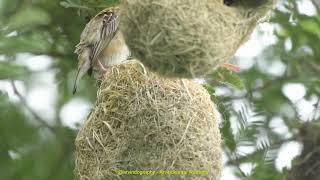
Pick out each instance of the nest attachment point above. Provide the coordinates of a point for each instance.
(145, 122)
(188, 38)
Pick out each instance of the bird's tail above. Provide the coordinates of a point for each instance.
(76, 82)
(82, 70)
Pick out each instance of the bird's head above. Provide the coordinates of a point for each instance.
(106, 15)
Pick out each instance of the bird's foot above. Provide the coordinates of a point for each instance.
(102, 67)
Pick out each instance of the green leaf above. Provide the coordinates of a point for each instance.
(12, 71)
(100, 3)
(311, 26)
(224, 110)
(8, 6)
(229, 78)
(33, 43)
(29, 17)
(72, 4)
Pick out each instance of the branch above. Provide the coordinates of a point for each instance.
(66, 149)
(34, 114)
(316, 3)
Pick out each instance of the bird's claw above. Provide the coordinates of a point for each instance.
(102, 68)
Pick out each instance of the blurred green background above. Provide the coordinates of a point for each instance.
(269, 111)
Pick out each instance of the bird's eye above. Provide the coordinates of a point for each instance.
(228, 2)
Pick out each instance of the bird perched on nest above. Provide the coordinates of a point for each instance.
(101, 44)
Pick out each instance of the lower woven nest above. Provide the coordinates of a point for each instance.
(144, 122)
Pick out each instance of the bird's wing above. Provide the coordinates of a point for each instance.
(108, 28)
(99, 32)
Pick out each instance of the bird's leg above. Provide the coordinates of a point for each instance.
(102, 73)
(103, 69)
(231, 67)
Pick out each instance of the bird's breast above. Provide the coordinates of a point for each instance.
(116, 52)
(115, 46)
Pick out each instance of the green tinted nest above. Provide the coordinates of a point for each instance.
(144, 122)
(188, 38)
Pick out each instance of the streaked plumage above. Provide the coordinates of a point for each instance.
(101, 41)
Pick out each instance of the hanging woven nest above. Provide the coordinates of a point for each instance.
(188, 38)
(145, 122)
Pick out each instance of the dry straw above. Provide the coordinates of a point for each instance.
(145, 122)
(188, 38)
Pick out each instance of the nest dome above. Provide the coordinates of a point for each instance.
(145, 122)
(188, 38)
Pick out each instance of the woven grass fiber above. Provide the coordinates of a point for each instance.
(188, 38)
(145, 122)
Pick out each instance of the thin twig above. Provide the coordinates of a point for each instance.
(316, 109)
(34, 114)
(266, 85)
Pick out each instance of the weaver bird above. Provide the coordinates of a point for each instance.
(101, 44)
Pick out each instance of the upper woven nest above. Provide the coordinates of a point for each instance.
(145, 122)
(188, 38)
